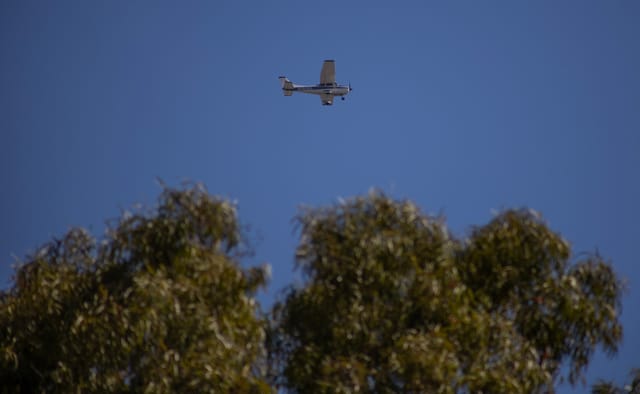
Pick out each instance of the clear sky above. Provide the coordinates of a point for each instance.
(462, 106)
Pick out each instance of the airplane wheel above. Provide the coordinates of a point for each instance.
(342, 98)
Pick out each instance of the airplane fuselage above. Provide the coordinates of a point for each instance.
(327, 89)
(334, 90)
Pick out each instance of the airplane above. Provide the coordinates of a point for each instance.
(327, 89)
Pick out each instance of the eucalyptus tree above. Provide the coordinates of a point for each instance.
(392, 302)
(160, 304)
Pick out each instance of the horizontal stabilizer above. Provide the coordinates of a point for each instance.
(287, 86)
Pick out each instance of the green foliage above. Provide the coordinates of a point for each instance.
(161, 305)
(521, 269)
(393, 303)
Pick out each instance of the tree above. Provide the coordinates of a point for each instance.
(160, 305)
(392, 302)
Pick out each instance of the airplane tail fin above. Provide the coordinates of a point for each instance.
(287, 86)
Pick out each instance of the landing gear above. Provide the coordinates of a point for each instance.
(342, 98)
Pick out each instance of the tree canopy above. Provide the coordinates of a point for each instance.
(394, 303)
(160, 305)
(391, 301)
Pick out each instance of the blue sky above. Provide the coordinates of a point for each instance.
(461, 106)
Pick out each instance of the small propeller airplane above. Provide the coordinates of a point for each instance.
(327, 89)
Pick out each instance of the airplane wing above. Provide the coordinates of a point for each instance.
(328, 73)
(326, 98)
